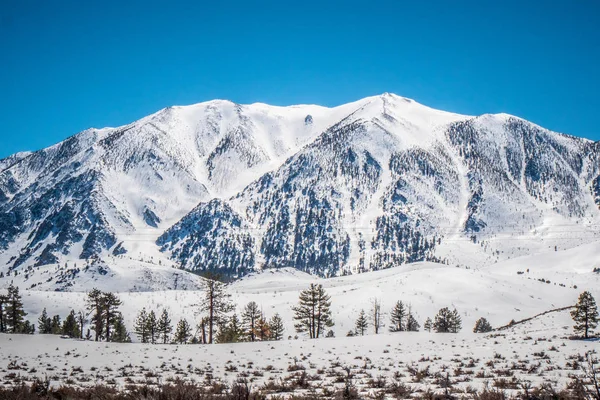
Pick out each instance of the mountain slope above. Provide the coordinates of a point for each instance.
(364, 186)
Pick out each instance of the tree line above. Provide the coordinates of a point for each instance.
(312, 316)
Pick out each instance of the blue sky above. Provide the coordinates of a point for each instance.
(68, 65)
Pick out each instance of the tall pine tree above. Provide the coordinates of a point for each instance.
(14, 314)
(397, 317)
(140, 327)
(164, 326)
(361, 323)
(215, 304)
(250, 316)
(585, 314)
(313, 313)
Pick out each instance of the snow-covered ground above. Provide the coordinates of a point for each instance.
(536, 351)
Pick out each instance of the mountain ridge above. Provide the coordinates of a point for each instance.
(363, 186)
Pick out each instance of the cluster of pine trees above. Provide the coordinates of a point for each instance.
(105, 318)
(150, 329)
(72, 326)
(12, 314)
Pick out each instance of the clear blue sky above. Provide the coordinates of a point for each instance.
(69, 65)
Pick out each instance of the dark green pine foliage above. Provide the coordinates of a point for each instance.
(276, 327)
(313, 313)
(44, 323)
(215, 305)
(3, 303)
(397, 317)
(14, 314)
(70, 327)
(164, 326)
(250, 316)
(94, 303)
(428, 325)
(412, 325)
(56, 325)
(140, 327)
(231, 331)
(585, 315)
(445, 321)
(482, 326)
(183, 332)
(361, 324)
(119, 332)
(110, 312)
(152, 327)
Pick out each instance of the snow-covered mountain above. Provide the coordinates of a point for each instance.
(235, 188)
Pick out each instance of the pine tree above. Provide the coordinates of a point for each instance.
(3, 303)
(361, 323)
(119, 332)
(397, 317)
(70, 327)
(585, 314)
(230, 331)
(276, 327)
(428, 325)
(56, 325)
(183, 332)
(263, 329)
(313, 314)
(14, 314)
(250, 316)
(44, 323)
(81, 321)
(164, 326)
(110, 311)
(375, 315)
(443, 321)
(482, 326)
(140, 327)
(94, 303)
(456, 322)
(152, 327)
(412, 325)
(216, 304)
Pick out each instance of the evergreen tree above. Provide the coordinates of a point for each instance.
(81, 320)
(94, 303)
(183, 332)
(397, 317)
(152, 327)
(3, 303)
(27, 327)
(412, 325)
(14, 314)
(456, 322)
(482, 326)
(585, 314)
(443, 321)
(375, 315)
(164, 326)
(231, 331)
(140, 327)
(110, 311)
(56, 325)
(70, 327)
(276, 327)
(119, 332)
(263, 328)
(428, 325)
(361, 323)
(44, 323)
(250, 316)
(215, 304)
(313, 314)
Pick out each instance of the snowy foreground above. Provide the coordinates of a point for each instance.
(535, 352)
